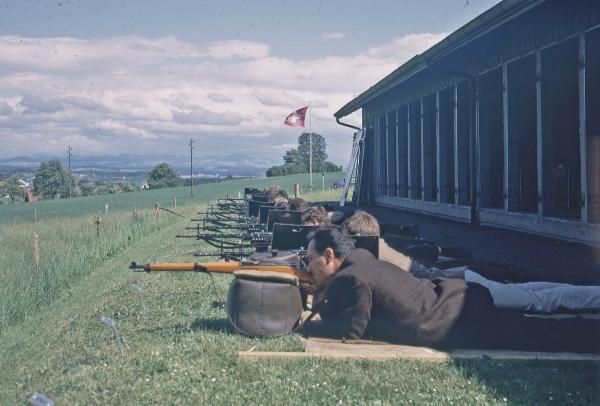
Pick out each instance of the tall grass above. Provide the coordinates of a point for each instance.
(70, 248)
(328, 195)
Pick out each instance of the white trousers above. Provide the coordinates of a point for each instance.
(543, 297)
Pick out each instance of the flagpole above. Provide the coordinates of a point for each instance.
(310, 143)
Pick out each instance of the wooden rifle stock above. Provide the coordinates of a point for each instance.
(221, 267)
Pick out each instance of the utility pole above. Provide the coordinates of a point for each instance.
(310, 143)
(69, 160)
(191, 169)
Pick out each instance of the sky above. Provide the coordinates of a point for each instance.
(146, 76)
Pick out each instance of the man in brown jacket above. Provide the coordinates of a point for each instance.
(367, 298)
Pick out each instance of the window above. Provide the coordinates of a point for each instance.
(463, 139)
(491, 139)
(522, 135)
(392, 154)
(414, 140)
(446, 140)
(429, 149)
(560, 130)
(592, 92)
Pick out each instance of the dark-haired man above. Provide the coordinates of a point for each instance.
(367, 298)
(542, 297)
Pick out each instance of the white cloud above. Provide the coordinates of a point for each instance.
(328, 36)
(34, 104)
(238, 49)
(406, 47)
(278, 97)
(219, 98)
(106, 95)
(5, 108)
(206, 117)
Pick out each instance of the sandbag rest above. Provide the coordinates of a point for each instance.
(264, 304)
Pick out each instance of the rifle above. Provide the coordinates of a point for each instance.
(223, 267)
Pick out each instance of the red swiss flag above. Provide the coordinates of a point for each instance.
(296, 119)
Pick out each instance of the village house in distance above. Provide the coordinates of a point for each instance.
(498, 124)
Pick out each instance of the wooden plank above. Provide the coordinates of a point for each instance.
(377, 351)
(254, 356)
(431, 357)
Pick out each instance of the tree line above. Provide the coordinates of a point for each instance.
(52, 181)
(297, 160)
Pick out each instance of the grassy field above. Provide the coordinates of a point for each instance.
(178, 346)
(95, 205)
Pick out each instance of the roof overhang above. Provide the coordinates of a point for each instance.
(484, 23)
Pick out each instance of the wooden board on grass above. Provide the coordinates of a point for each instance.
(377, 351)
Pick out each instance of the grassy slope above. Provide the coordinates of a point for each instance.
(95, 205)
(180, 351)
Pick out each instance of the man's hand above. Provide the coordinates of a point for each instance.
(310, 288)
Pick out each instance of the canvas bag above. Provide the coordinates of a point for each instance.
(264, 304)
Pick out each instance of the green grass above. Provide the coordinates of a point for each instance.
(72, 247)
(69, 249)
(95, 205)
(181, 350)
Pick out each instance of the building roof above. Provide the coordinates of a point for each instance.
(495, 16)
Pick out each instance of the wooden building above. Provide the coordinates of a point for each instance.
(497, 124)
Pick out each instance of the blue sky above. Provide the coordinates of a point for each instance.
(143, 76)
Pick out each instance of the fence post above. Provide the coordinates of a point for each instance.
(156, 210)
(106, 208)
(135, 214)
(98, 221)
(35, 215)
(296, 190)
(175, 198)
(36, 252)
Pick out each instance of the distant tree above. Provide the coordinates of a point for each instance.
(14, 189)
(297, 160)
(163, 176)
(51, 180)
(331, 167)
(275, 171)
(125, 186)
(86, 187)
(319, 154)
(292, 157)
(107, 189)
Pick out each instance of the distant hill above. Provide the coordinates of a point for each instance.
(136, 166)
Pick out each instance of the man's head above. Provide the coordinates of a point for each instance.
(361, 223)
(279, 198)
(281, 204)
(327, 249)
(315, 216)
(272, 191)
(297, 204)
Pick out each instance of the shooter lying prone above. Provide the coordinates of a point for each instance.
(367, 298)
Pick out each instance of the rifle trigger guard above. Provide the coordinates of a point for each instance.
(200, 268)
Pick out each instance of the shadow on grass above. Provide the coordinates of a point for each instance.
(215, 325)
(212, 325)
(536, 381)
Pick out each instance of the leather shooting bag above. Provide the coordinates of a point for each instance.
(264, 304)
